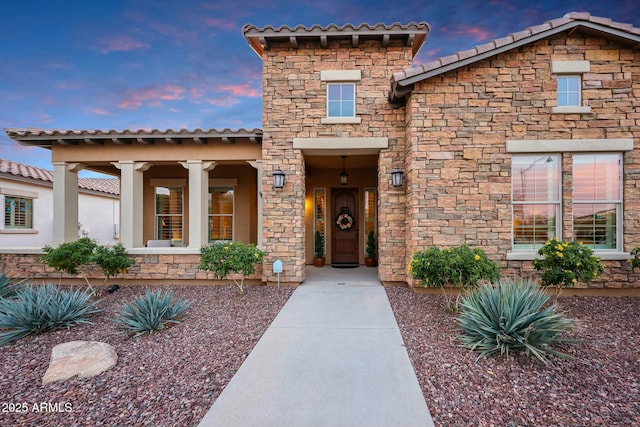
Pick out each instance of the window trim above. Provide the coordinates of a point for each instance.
(18, 229)
(521, 248)
(168, 184)
(571, 69)
(341, 77)
(619, 204)
(233, 214)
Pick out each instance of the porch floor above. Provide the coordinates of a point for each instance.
(333, 356)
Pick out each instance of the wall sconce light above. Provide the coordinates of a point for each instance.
(344, 176)
(278, 178)
(396, 177)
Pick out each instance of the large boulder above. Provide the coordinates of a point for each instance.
(82, 358)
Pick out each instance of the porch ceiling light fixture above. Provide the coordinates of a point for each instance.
(278, 178)
(344, 176)
(396, 177)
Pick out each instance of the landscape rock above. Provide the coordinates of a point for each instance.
(82, 358)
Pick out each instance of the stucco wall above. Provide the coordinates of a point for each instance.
(458, 169)
(97, 215)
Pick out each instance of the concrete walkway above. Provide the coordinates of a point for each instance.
(332, 357)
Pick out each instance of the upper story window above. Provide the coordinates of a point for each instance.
(569, 91)
(169, 214)
(341, 100)
(341, 96)
(568, 75)
(18, 212)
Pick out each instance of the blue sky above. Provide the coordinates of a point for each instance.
(161, 64)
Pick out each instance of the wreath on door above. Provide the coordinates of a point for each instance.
(344, 220)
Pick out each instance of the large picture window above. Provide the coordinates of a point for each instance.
(18, 212)
(341, 100)
(597, 199)
(169, 214)
(535, 183)
(221, 210)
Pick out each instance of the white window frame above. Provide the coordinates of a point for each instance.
(570, 69)
(233, 214)
(22, 194)
(619, 233)
(342, 77)
(538, 157)
(156, 214)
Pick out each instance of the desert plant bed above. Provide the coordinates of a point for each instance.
(169, 377)
(599, 386)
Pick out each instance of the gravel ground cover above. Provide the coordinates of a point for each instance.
(599, 387)
(170, 378)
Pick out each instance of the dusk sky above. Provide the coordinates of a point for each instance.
(161, 64)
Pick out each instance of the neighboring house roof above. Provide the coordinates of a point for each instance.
(413, 34)
(45, 137)
(31, 173)
(403, 81)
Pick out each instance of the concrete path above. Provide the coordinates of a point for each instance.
(332, 357)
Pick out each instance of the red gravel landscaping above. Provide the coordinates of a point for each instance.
(599, 387)
(170, 378)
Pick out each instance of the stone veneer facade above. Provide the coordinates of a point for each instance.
(459, 122)
(294, 102)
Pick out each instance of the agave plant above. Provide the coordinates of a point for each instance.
(36, 309)
(512, 316)
(151, 312)
(7, 288)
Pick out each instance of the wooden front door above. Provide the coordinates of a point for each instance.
(344, 248)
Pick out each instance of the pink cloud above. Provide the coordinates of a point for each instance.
(222, 24)
(121, 44)
(152, 95)
(101, 111)
(175, 33)
(243, 89)
(479, 34)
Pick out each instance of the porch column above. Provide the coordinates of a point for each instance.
(131, 206)
(257, 164)
(198, 201)
(65, 201)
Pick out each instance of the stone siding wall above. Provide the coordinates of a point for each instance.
(458, 170)
(294, 102)
(161, 267)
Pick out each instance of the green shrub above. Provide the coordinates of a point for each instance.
(458, 266)
(36, 309)
(635, 257)
(112, 260)
(566, 263)
(231, 259)
(151, 312)
(371, 245)
(7, 288)
(70, 257)
(319, 245)
(511, 317)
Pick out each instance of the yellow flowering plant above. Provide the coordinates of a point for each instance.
(567, 263)
(231, 260)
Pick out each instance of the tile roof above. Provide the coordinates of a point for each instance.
(413, 34)
(45, 137)
(626, 33)
(102, 185)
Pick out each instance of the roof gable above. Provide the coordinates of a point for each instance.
(403, 81)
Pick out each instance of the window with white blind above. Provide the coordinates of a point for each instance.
(169, 214)
(221, 211)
